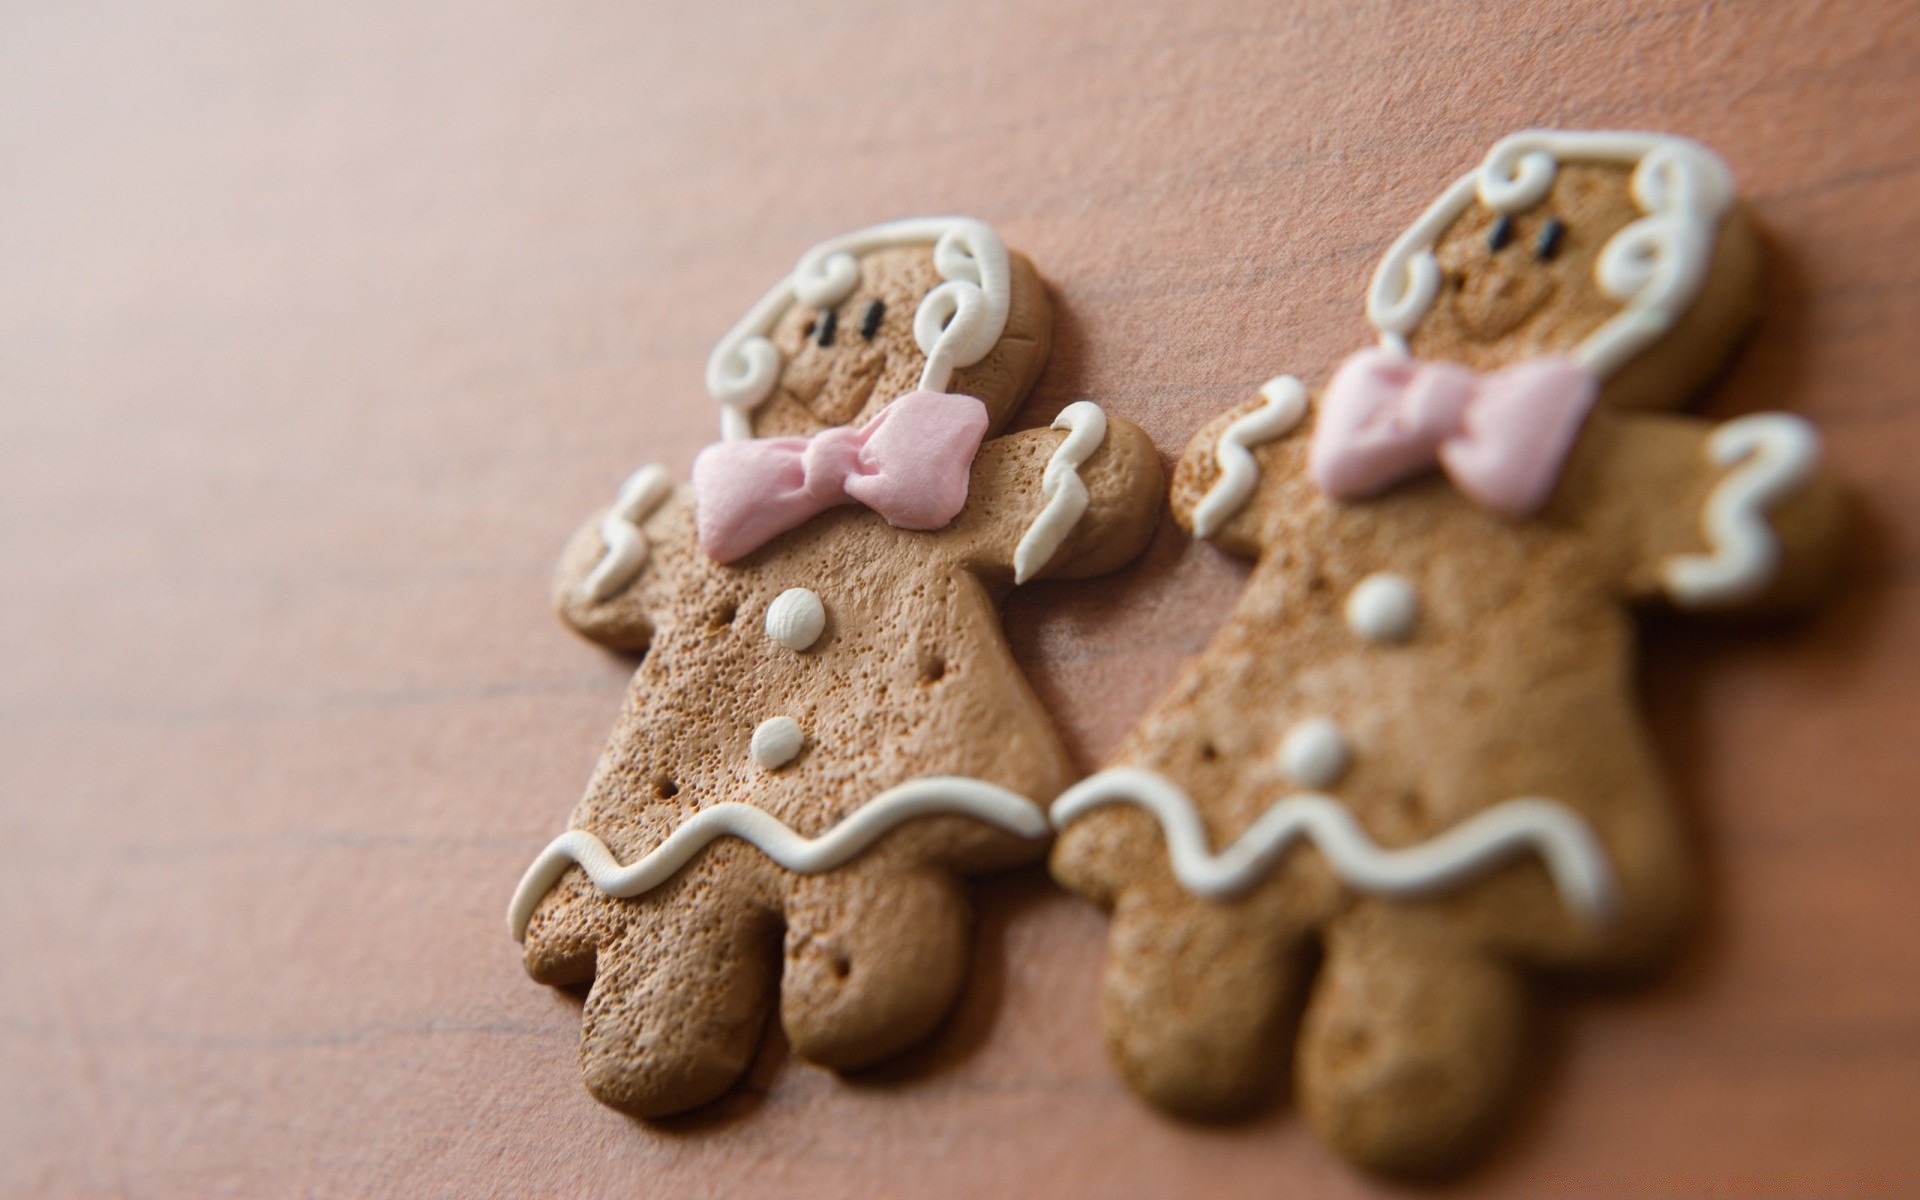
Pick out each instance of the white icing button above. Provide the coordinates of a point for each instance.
(1314, 754)
(1383, 607)
(775, 742)
(796, 618)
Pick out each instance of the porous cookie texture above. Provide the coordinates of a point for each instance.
(828, 732)
(1414, 745)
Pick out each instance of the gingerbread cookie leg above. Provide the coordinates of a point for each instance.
(875, 958)
(680, 998)
(565, 931)
(1201, 1052)
(1410, 1041)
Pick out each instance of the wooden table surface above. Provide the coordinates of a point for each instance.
(321, 326)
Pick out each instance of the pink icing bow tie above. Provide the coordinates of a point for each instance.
(1502, 438)
(909, 464)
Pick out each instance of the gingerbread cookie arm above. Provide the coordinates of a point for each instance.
(1238, 462)
(1742, 514)
(1077, 499)
(616, 561)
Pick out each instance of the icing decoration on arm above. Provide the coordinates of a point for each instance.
(1654, 266)
(1772, 456)
(909, 464)
(935, 795)
(957, 324)
(620, 533)
(1565, 842)
(1502, 438)
(1066, 493)
(1285, 407)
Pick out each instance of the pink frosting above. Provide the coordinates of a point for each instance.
(1502, 438)
(909, 464)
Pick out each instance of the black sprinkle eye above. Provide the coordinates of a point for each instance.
(829, 321)
(1549, 243)
(870, 322)
(1501, 233)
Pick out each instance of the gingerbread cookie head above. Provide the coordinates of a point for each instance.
(933, 304)
(1569, 270)
(1623, 252)
(893, 408)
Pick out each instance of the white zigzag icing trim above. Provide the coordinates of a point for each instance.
(620, 532)
(1776, 453)
(1066, 493)
(1566, 842)
(936, 795)
(1285, 407)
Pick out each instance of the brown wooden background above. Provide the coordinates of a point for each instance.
(322, 325)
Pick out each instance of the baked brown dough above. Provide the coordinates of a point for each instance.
(1512, 678)
(910, 677)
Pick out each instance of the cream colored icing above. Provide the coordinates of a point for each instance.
(1572, 854)
(935, 795)
(1314, 753)
(1066, 492)
(1654, 265)
(620, 533)
(1383, 607)
(1772, 456)
(1285, 407)
(796, 619)
(957, 324)
(776, 742)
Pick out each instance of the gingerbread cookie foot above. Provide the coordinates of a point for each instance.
(679, 1000)
(874, 962)
(1410, 1044)
(1202, 1052)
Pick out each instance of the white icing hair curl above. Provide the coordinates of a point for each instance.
(1654, 266)
(957, 324)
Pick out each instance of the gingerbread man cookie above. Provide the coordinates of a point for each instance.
(827, 729)
(1414, 743)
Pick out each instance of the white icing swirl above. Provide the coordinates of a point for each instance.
(1066, 492)
(1654, 266)
(1286, 406)
(1566, 843)
(620, 533)
(1772, 456)
(936, 795)
(957, 324)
